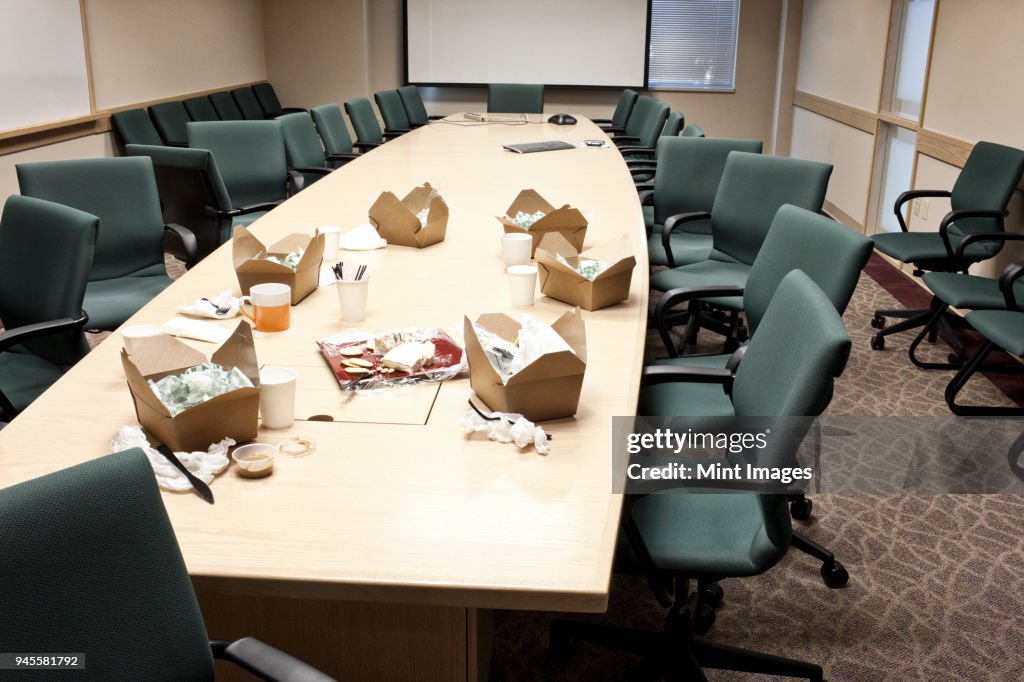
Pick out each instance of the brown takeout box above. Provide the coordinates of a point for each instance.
(230, 415)
(565, 284)
(567, 221)
(245, 247)
(397, 223)
(547, 388)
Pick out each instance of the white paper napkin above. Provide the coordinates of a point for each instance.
(196, 329)
(361, 238)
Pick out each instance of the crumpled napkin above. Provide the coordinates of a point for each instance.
(508, 428)
(204, 465)
(361, 238)
(196, 329)
(208, 307)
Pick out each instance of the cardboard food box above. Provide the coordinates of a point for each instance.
(547, 388)
(566, 284)
(397, 223)
(567, 221)
(252, 270)
(230, 415)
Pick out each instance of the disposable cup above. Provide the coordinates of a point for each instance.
(352, 299)
(331, 236)
(136, 335)
(277, 397)
(522, 282)
(516, 248)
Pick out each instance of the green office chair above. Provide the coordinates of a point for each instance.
(617, 123)
(41, 294)
(643, 169)
(364, 122)
(693, 130)
(389, 104)
(269, 102)
(251, 159)
(170, 119)
(303, 150)
(690, 170)
(646, 156)
(414, 107)
(91, 564)
(752, 189)
(649, 129)
(134, 126)
(330, 123)
(225, 106)
(128, 266)
(199, 109)
(248, 104)
(638, 118)
(971, 232)
(515, 98)
(674, 538)
(188, 182)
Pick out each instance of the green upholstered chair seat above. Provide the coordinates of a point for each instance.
(705, 534)
(134, 126)
(687, 247)
(25, 375)
(1005, 328)
(689, 399)
(109, 302)
(969, 291)
(170, 119)
(705, 274)
(926, 247)
(648, 216)
(717, 361)
(250, 157)
(413, 103)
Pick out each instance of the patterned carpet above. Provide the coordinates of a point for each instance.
(936, 588)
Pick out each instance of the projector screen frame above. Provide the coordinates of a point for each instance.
(560, 86)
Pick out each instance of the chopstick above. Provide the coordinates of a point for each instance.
(339, 272)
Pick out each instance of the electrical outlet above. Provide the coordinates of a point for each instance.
(924, 208)
(917, 206)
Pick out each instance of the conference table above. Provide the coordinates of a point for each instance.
(381, 554)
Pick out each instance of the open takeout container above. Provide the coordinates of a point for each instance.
(564, 283)
(567, 221)
(230, 415)
(304, 280)
(397, 222)
(547, 388)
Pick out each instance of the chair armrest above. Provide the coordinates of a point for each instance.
(646, 163)
(642, 170)
(644, 186)
(653, 375)
(241, 210)
(12, 337)
(366, 145)
(674, 297)
(606, 121)
(1007, 279)
(392, 134)
(612, 130)
(619, 140)
(646, 196)
(915, 194)
(189, 247)
(296, 180)
(266, 662)
(315, 170)
(957, 259)
(671, 223)
(648, 151)
(342, 156)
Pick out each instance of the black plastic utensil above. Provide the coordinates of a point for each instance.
(201, 488)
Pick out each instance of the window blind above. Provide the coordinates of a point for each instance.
(693, 44)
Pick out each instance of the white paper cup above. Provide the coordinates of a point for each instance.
(352, 299)
(522, 282)
(516, 248)
(136, 335)
(277, 397)
(331, 236)
(255, 460)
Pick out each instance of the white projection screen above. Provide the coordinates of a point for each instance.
(555, 42)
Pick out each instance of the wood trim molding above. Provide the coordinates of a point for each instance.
(861, 119)
(841, 216)
(943, 148)
(900, 121)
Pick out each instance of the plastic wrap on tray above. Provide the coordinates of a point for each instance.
(357, 357)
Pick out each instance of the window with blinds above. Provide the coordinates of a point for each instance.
(693, 44)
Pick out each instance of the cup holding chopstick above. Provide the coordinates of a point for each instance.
(353, 286)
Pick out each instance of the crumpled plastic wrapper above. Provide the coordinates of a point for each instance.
(179, 392)
(535, 339)
(362, 238)
(526, 220)
(587, 267)
(204, 465)
(508, 428)
(208, 307)
(290, 261)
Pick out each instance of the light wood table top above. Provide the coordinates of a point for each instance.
(414, 512)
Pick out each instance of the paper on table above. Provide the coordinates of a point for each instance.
(208, 307)
(196, 329)
(361, 238)
(204, 465)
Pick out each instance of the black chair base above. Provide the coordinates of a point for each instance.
(833, 573)
(675, 653)
(960, 379)
(932, 321)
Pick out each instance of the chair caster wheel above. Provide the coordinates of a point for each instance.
(877, 342)
(801, 509)
(712, 595)
(835, 575)
(877, 321)
(705, 619)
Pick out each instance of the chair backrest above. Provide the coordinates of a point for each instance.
(790, 365)
(90, 558)
(268, 100)
(200, 109)
(673, 123)
(134, 126)
(689, 172)
(650, 132)
(250, 156)
(225, 106)
(389, 103)
(248, 104)
(413, 103)
(170, 119)
(515, 98)
(302, 144)
(38, 283)
(692, 130)
(986, 182)
(640, 115)
(331, 126)
(752, 189)
(121, 192)
(624, 107)
(798, 240)
(364, 121)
